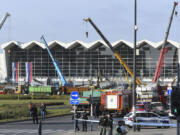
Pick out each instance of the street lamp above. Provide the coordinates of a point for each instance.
(134, 63)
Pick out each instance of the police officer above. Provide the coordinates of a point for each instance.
(120, 129)
(109, 124)
(77, 116)
(102, 124)
(34, 114)
(84, 117)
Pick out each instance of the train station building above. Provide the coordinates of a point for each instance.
(80, 62)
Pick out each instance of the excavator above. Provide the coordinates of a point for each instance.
(113, 50)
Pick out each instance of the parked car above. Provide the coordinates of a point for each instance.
(145, 117)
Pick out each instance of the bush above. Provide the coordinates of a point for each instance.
(14, 111)
(37, 96)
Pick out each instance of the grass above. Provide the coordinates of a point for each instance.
(17, 109)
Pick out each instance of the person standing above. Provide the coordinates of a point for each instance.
(43, 110)
(75, 118)
(84, 122)
(102, 124)
(109, 124)
(34, 114)
(30, 107)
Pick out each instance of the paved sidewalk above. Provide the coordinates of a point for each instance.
(170, 131)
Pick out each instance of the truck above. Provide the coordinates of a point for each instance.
(117, 101)
(88, 97)
(106, 101)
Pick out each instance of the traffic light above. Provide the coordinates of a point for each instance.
(175, 101)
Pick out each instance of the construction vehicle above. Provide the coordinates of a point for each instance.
(153, 91)
(64, 83)
(66, 87)
(117, 101)
(61, 77)
(164, 49)
(160, 64)
(107, 101)
(113, 50)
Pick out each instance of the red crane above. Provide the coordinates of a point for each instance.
(164, 49)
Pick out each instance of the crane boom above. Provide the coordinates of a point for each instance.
(63, 80)
(164, 49)
(4, 19)
(113, 50)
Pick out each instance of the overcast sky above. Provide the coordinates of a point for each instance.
(63, 20)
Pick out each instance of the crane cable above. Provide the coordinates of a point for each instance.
(9, 29)
(86, 29)
(124, 70)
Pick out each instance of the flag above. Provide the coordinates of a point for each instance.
(15, 72)
(29, 72)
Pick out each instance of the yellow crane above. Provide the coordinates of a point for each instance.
(112, 49)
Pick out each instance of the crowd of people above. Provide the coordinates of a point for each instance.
(77, 116)
(105, 124)
(34, 112)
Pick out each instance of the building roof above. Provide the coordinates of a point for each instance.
(87, 45)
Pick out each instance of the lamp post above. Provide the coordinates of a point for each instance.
(134, 63)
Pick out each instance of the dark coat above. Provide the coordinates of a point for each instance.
(34, 111)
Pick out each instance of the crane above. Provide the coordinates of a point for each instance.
(113, 50)
(4, 19)
(164, 49)
(63, 80)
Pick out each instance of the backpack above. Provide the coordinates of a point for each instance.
(119, 130)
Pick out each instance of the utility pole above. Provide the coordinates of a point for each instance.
(178, 79)
(134, 63)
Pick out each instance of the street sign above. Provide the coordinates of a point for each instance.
(169, 91)
(74, 102)
(74, 95)
(74, 98)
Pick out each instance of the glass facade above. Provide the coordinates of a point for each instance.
(81, 62)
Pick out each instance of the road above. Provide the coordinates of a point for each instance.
(64, 126)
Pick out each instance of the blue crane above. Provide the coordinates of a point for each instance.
(63, 80)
